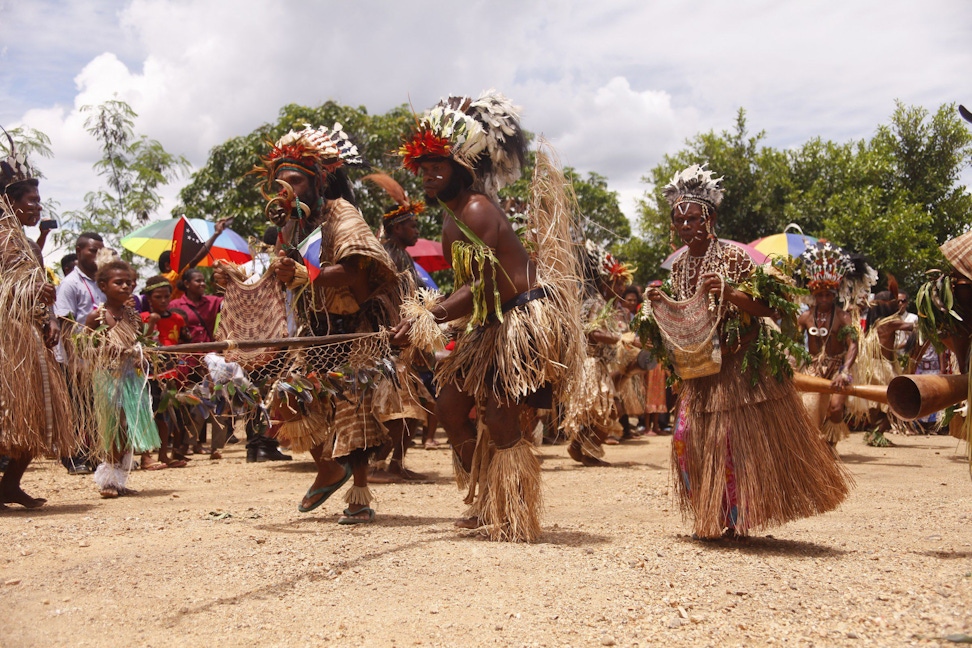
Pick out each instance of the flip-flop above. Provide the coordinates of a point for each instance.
(326, 491)
(158, 465)
(349, 519)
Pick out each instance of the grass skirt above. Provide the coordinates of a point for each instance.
(594, 419)
(512, 359)
(750, 457)
(123, 410)
(35, 408)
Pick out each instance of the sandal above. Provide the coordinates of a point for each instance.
(348, 517)
(155, 465)
(324, 492)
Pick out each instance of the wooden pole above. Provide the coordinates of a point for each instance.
(207, 347)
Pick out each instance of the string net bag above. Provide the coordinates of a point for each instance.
(252, 312)
(690, 331)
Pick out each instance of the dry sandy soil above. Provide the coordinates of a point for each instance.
(217, 554)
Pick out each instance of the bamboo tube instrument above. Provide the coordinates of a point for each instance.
(806, 383)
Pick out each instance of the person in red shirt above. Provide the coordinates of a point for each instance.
(166, 328)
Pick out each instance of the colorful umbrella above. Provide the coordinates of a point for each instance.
(153, 239)
(786, 243)
(428, 254)
(757, 256)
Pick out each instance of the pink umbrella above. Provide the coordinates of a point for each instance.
(758, 257)
(428, 254)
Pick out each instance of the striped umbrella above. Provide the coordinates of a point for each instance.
(786, 243)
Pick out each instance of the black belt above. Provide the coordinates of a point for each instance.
(539, 292)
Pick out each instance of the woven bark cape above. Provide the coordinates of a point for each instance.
(36, 417)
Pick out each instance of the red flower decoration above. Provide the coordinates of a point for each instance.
(423, 144)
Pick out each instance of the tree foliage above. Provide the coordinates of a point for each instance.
(224, 186)
(894, 197)
(134, 168)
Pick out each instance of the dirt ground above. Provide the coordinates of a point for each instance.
(217, 554)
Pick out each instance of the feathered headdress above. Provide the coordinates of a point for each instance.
(823, 267)
(402, 213)
(608, 267)
(695, 184)
(483, 135)
(316, 151)
(396, 192)
(14, 168)
(828, 267)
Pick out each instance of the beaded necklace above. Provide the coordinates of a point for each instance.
(687, 273)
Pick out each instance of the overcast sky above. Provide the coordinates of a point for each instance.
(614, 84)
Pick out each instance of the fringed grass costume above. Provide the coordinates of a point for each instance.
(110, 360)
(818, 405)
(595, 415)
(35, 410)
(827, 268)
(508, 351)
(745, 454)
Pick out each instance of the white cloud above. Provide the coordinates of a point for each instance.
(614, 85)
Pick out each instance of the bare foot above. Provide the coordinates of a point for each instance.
(396, 468)
(432, 444)
(215, 454)
(20, 497)
(127, 491)
(384, 477)
(109, 493)
(468, 523)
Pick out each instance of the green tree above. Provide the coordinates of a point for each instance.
(893, 198)
(223, 187)
(134, 168)
(32, 144)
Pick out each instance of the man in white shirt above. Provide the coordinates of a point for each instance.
(77, 296)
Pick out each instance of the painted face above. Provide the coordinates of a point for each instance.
(159, 299)
(195, 285)
(406, 232)
(689, 221)
(28, 207)
(436, 175)
(118, 286)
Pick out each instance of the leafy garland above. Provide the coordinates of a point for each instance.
(336, 384)
(466, 257)
(772, 348)
(937, 317)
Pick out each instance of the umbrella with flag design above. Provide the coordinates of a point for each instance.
(185, 237)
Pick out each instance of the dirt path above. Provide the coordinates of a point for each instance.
(217, 554)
